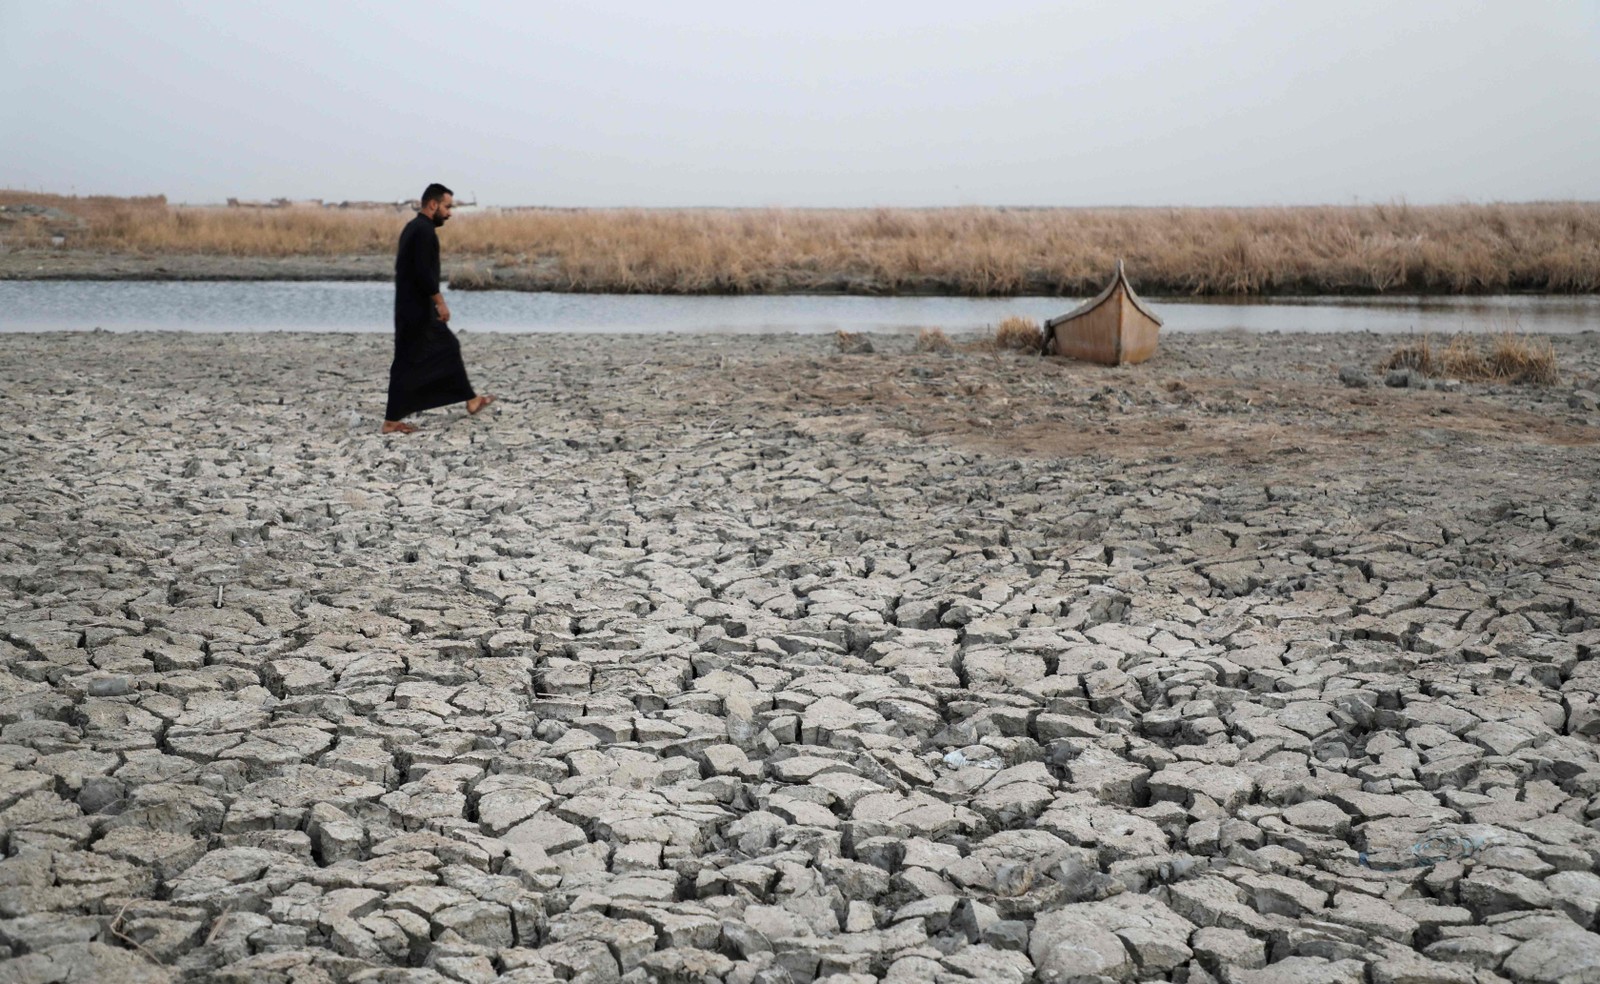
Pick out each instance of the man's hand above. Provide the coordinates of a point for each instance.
(444, 309)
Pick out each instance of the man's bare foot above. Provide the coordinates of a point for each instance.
(478, 403)
(398, 427)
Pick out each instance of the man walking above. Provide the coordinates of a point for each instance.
(427, 371)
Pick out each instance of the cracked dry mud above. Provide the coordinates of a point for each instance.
(738, 659)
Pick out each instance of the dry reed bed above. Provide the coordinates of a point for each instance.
(1014, 334)
(1549, 247)
(1505, 357)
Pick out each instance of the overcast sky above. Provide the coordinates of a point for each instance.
(824, 103)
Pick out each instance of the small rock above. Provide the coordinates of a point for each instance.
(1355, 377)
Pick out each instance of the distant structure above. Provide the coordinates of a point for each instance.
(274, 203)
(377, 206)
(404, 205)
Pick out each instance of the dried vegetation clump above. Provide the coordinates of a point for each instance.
(1507, 357)
(472, 276)
(852, 343)
(1019, 334)
(1551, 247)
(933, 340)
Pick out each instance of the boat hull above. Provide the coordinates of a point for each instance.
(1113, 329)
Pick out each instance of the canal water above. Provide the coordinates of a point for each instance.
(210, 306)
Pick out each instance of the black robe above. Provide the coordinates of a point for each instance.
(427, 371)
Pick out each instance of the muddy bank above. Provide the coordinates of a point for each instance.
(470, 275)
(24, 264)
(739, 659)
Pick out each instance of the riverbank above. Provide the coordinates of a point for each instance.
(704, 655)
(1356, 250)
(55, 264)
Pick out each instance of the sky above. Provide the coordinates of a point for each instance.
(817, 104)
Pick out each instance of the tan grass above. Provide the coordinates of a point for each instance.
(1520, 359)
(852, 343)
(1552, 247)
(1416, 355)
(1462, 359)
(1019, 334)
(933, 340)
(472, 276)
(1509, 357)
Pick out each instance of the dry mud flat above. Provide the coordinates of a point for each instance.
(730, 659)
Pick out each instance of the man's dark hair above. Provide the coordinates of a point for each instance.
(435, 193)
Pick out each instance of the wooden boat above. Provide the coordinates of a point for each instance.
(1115, 328)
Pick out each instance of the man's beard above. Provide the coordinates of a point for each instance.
(438, 220)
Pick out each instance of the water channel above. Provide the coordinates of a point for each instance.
(207, 306)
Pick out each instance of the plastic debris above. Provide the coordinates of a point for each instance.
(1436, 848)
